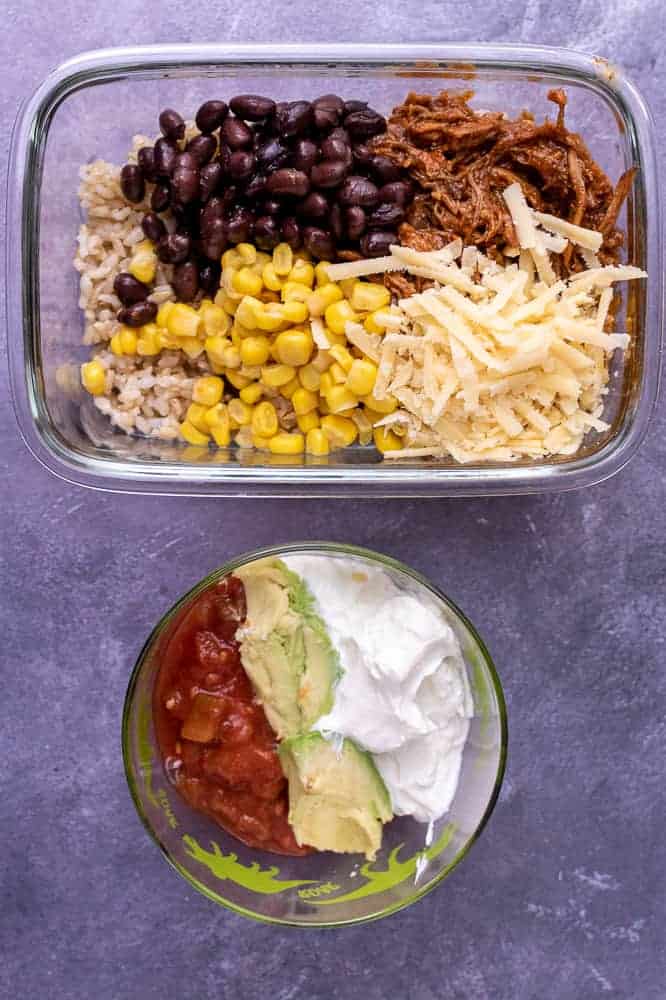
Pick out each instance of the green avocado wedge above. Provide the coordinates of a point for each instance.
(285, 648)
(337, 799)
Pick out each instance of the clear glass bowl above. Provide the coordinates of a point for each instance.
(325, 889)
(91, 106)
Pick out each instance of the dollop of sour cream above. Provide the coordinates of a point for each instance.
(404, 694)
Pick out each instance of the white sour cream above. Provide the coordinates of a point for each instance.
(404, 694)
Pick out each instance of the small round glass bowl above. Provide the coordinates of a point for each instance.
(321, 889)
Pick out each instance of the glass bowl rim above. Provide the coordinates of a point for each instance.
(338, 548)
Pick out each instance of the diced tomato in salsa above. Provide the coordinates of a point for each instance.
(216, 743)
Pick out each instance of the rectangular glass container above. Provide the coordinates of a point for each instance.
(90, 108)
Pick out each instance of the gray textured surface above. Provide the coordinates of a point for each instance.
(563, 897)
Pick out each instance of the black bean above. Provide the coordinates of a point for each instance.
(241, 165)
(358, 191)
(240, 225)
(271, 206)
(171, 124)
(266, 232)
(230, 197)
(319, 243)
(335, 221)
(223, 157)
(386, 216)
(185, 184)
(363, 156)
(129, 289)
(335, 148)
(138, 314)
(354, 222)
(187, 216)
(272, 153)
(384, 170)
(331, 101)
(160, 198)
(187, 160)
(146, 160)
(341, 133)
(210, 116)
(364, 124)
(328, 173)
(153, 227)
(236, 133)
(252, 107)
(377, 243)
(398, 192)
(203, 148)
(324, 119)
(255, 187)
(174, 249)
(214, 239)
(185, 280)
(213, 210)
(350, 106)
(287, 181)
(209, 179)
(291, 232)
(315, 206)
(132, 183)
(209, 277)
(294, 118)
(305, 155)
(165, 157)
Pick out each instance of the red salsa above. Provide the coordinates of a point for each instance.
(217, 747)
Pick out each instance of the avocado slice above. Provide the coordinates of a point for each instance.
(285, 648)
(337, 799)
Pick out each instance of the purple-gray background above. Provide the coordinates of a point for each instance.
(563, 897)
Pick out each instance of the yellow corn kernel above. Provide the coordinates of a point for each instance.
(231, 357)
(265, 420)
(196, 415)
(270, 318)
(225, 302)
(260, 261)
(309, 377)
(383, 406)
(302, 272)
(216, 416)
(192, 346)
(221, 435)
(340, 398)
(246, 282)
(253, 372)
(372, 324)
(316, 442)
(249, 309)
(166, 341)
(322, 361)
(287, 444)
(216, 321)
(342, 356)
(148, 342)
(93, 377)
(386, 440)
(247, 252)
(368, 296)
(323, 407)
(293, 347)
(373, 415)
(304, 401)
(271, 279)
(295, 291)
(323, 297)
(290, 388)
(308, 421)
(193, 434)
(183, 321)
(240, 412)
(270, 296)
(127, 339)
(259, 442)
(277, 375)
(143, 266)
(347, 285)
(215, 348)
(326, 383)
(338, 315)
(255, 350)
(294, 311)
(340, 431)
(236, 379)
(321, 272)
(283, 259)
(163, 313)
(231, 259)
(361, 377)
(251, 393)
(208, 390)
(337, 373)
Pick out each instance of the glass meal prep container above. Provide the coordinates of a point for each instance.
(91, 107)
